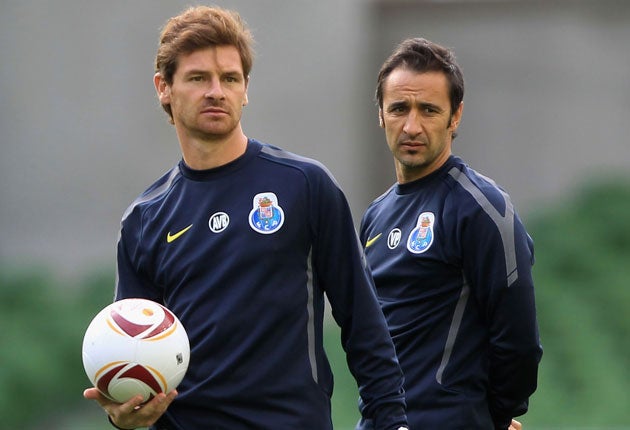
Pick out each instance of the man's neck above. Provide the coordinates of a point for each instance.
(203, 154)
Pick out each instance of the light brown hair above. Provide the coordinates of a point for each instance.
(198, 28)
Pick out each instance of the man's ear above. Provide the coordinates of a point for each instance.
(245, 99)
(380, 118)
(457, 117)
(162, 88)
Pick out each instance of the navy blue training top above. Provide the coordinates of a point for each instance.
(243, 254)
(452, 263)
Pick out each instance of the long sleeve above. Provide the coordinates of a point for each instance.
(341, 269)
(498, 255)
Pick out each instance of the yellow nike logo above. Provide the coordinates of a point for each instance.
(171, 237)
(370, 242)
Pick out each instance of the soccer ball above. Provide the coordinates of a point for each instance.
(135, 346)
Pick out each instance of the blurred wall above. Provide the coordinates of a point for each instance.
(82, 133)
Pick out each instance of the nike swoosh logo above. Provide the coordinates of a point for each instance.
(171, 237)
(370, 242)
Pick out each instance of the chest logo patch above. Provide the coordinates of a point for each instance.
(393, 238)
(421, 237)
(218, 222)
(266, 216)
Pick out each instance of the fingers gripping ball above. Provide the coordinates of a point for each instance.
(135, 346)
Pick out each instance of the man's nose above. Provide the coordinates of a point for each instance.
(214, 90)
(413, 125)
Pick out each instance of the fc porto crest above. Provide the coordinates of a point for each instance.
(266, 216)
(421, 237)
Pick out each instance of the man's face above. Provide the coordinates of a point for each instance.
(207, 94)
(416, 115)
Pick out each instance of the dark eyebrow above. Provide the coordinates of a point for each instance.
(232, 74)
(397, 105)
(202, 72)
(425, 105)
(195, 72)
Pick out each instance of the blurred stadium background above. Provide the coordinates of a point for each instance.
(546, 115)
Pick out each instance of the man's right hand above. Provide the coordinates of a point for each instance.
(134, 413)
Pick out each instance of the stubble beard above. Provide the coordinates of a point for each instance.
(212, 129)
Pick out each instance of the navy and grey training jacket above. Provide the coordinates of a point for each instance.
(244, 255)
(452, 263)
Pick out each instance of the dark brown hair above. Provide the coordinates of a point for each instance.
(421, 55)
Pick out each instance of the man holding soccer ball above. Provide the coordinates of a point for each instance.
(242, 241)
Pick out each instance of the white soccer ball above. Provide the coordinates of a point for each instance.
(135, 346)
